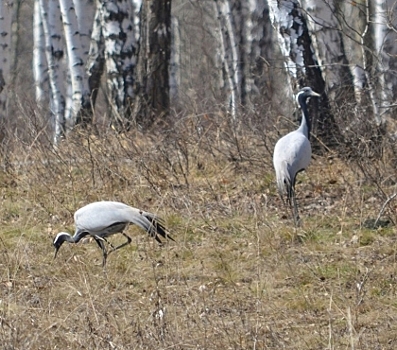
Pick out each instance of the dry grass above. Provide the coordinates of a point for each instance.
(238, 277)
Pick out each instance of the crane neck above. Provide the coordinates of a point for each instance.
(305, 125)
(79, 234)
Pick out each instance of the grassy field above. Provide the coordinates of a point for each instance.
(239, 275)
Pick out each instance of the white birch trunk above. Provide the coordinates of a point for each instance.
(85, 11)
(79, 80)
(49, 12)
(389, 46)
(40, 68)
(59, 66)
(385, 48)
(96, 56)
(263, 50)
(6, 14)
(242, 25)
(249, 48)
(120, 54)
(353, 19)
(233, 58)
(380, 92)
(252, 42)
(59, 43)
(367, 70)
(220, 54)
(230, 59)
(175, 78)
(285, 16)
(137, 11)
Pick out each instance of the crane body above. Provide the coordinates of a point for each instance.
(292, 154)
(103, 219)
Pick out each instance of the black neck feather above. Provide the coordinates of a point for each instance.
(78, 236)
(302, 99)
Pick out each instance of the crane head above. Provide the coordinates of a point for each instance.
(58, 241)
(307, 92)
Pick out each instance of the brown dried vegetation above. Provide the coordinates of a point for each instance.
(240, 276)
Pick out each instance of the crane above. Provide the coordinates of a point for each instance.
(292, 154)
(103, 219)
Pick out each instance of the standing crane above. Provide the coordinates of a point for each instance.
(292, 154)
(103, 219)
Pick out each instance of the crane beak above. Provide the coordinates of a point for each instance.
(56, 246)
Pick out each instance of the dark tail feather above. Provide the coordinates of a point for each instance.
(158, 228)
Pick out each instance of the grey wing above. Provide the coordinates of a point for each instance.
(297, 152)
(303, 157)
(97, 216)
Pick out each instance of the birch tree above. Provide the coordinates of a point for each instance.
(229, 51)
(85, 11)
(137, 4)
(117, 27)
(6, 15)
(384, 21)
(40, 68)
(245, 14)
(153, 99)
(96, 56)
(79, 80)
(290, 29)
(389, 45)
(220, 56)
(267, 80)
(50, 14)
(175, 79)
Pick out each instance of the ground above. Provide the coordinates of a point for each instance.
(239, 276)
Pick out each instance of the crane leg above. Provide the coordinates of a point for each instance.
(293, 205)
(100, 241)
(295, 212)
(129, 240)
